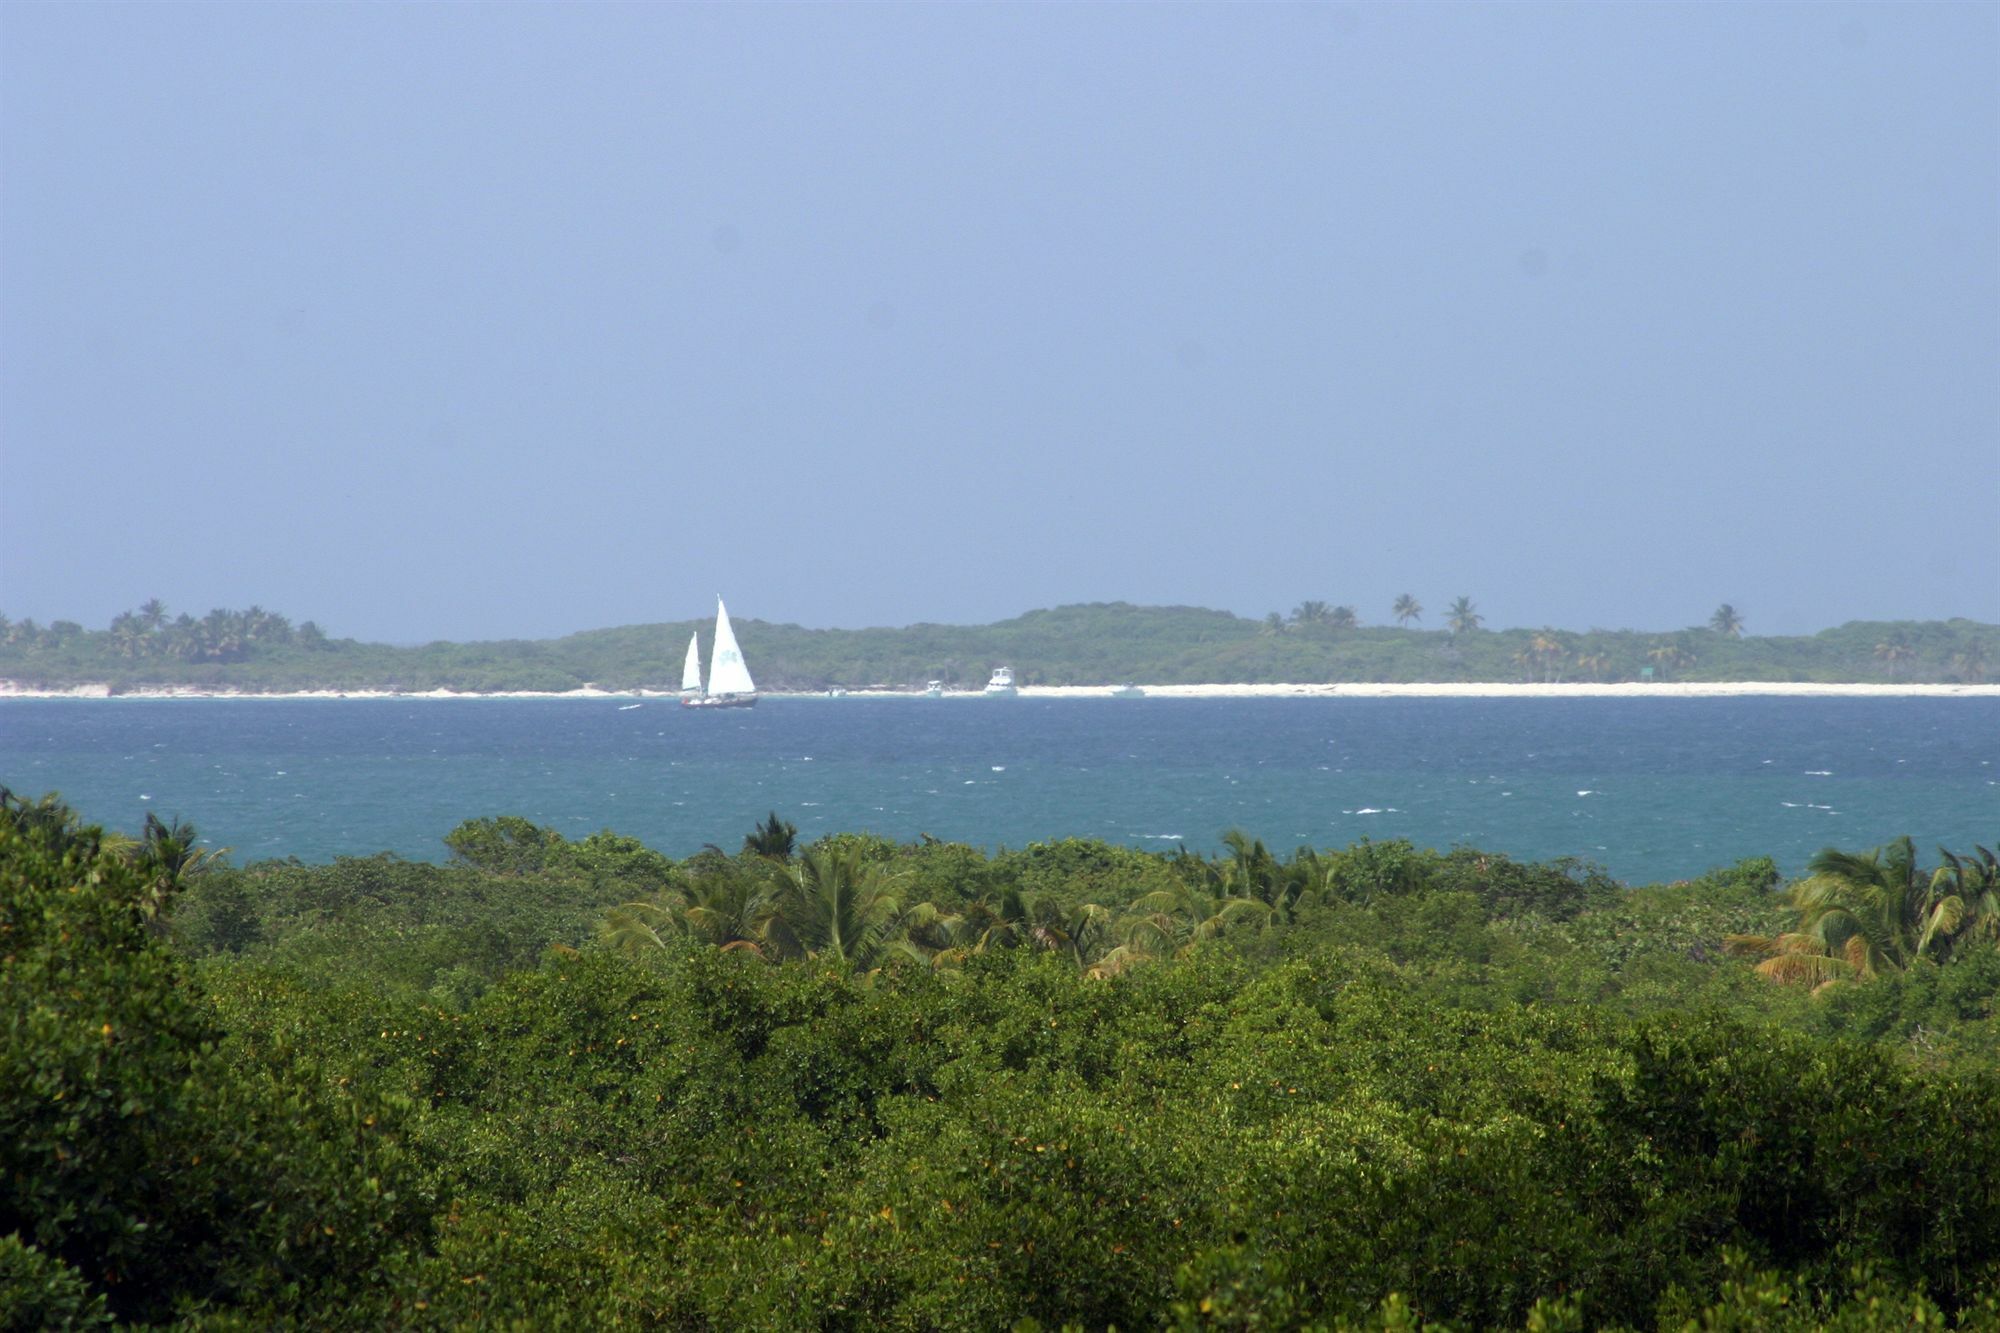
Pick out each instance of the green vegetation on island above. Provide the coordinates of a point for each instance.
(257, 651)
(568, 1083)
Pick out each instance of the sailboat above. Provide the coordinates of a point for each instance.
(729, 683)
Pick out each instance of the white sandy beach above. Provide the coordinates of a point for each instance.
(14, 690)
(1453, 690)
(1519, 690)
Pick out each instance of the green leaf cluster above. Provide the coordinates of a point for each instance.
(870, 1085)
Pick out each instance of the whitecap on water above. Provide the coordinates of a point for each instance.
(999, 768)
(1588, 791)
(1819, 772)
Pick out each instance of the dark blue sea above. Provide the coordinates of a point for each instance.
(1650, 789)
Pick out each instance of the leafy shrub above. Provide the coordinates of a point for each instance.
(138, 1152)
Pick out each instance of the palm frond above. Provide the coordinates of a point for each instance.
(1860, 956)
(1807, 969)
(1158, 901)
(627, 929)
(1749, 946)
(1120, 960)
(1945, 918)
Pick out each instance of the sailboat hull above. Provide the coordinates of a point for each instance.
(720, 701)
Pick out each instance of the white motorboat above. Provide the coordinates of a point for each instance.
(1001, 686)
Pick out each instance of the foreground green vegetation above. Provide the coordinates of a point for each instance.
(257, 650)
(562, 1083)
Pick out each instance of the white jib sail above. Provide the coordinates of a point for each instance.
(726, 672)
(691, 673)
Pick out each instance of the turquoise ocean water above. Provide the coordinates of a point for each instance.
(1651, 789)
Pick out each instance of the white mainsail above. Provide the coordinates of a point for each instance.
(691, 673)
(726, 672)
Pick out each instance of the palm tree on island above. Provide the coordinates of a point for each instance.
(1342, 617)
(1462, 617)
(1726, 622)
(1671, 655)
(1895, 652)
(1549, 652)
(1407, 608)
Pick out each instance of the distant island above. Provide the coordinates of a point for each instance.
(255, 651)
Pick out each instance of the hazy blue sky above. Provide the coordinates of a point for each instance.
(489, 321)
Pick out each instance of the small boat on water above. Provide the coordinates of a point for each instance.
(934, 689)
(729, 684)
(1127, 692)
(1001, 686)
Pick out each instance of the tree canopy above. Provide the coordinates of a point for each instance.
(921, 1086)
(1099, 644)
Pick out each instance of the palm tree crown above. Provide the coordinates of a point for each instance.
(1861, 915)
(1462, 617)
(835, 906)
(1407, 608)
(774, 838)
